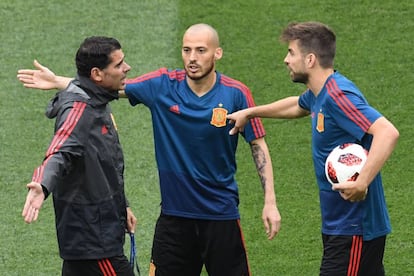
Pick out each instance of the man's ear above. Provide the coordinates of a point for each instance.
(310, 60)
(218, 54)
(96, 74)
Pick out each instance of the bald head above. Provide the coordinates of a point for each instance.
(200, 51)
(205, 30)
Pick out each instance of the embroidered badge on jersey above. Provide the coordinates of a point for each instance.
(320, 126)
(218, 118)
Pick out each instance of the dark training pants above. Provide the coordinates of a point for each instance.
(182, 246)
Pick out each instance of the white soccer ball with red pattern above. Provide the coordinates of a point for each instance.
(345, 162)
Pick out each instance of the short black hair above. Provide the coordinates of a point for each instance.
(95, 51)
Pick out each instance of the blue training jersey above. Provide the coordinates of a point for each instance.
(195, 153)
(340, 114)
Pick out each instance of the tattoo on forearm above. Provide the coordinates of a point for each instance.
(260, 161)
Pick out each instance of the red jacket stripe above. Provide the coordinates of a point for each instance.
(61, 135)
(66, 129)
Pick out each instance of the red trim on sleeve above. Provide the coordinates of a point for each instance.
(174, 74)
(60, 137)
(256, 123)
(347, 106)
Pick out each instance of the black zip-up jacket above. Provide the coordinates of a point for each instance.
(83, 169)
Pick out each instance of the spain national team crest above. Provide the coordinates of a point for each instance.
(218, 118)
(320, 126)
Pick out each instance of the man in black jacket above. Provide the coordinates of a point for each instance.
(83, 166)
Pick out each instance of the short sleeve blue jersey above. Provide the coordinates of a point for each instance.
(195, 153)
(340, 114)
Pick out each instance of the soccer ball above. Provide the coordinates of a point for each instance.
(344, 163)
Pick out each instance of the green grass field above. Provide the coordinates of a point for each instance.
(375, 40)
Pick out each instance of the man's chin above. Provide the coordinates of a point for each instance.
(194, 77)
(122, 86)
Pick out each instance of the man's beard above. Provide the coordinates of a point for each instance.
(300, 77)
(197, 78)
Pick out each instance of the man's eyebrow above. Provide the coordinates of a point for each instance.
(120, 62)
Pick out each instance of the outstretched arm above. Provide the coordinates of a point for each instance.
(45, 79)
(41, 78)
(270, 215)
(287, 108)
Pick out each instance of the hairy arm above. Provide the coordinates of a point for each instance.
(270, 215)
(286, 108)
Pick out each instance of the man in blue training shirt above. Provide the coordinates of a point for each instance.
(199, 222)
(355, 220)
